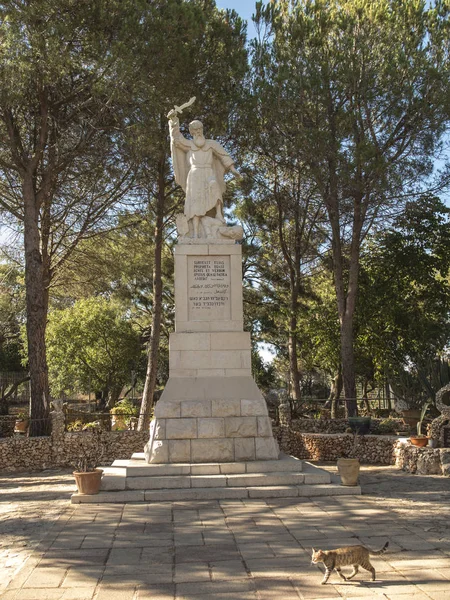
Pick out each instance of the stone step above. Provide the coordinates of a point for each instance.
(113, 479)
(138, 467)
(216, 493)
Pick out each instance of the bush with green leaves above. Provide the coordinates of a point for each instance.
(91, 345)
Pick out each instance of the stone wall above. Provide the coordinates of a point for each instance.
(423, 461)
(341, 425)
(372, 449)
(62, 449)
(7, 425)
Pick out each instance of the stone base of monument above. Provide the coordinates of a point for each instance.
(137, 481)
(211, 419)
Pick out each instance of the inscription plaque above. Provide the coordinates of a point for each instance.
(208, 288)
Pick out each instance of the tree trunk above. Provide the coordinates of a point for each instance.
(37, 305)
(296, 393)
(348, 367)
(335, 393)
(365, 397)
(388, 395)
(153, 349)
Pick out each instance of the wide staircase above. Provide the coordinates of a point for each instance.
(135, 480)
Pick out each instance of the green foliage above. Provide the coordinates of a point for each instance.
(125, 407)
(92, 446)
(423, 412)
(388, 426)
(76, 425)
(91, 344)
(11, 315)
(352, 98)
(404, 304)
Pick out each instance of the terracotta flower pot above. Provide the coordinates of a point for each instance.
(348, 470)
(421, 442)
(21, 425)
(89, 482)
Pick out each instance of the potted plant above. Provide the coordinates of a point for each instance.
(22, 422)
(91, 450)
(348, 466)
(360, 425)
(419, 439)
(122, 414)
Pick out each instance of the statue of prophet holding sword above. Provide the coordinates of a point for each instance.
(200, 165)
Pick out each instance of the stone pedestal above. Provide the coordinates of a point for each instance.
(211, 409)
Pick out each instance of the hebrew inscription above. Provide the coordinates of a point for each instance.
(209, 288)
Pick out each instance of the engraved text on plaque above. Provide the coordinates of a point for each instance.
(209, 288)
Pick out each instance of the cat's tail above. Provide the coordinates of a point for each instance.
(382, 551)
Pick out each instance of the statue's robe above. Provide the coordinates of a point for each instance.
(199, 171)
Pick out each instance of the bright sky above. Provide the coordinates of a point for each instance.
(244, 8)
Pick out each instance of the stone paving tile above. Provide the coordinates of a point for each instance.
(84, 578)
(310, 588)
(189, 572)
(139, 571)
(428, 580)
(65, 541)
(352, 589)
(97, 541)
(226, 569)
(49, 594)
(275, 589)
(259, 550)
(254, 549)
(418, 563)
(155, 592)
(43, 577)
(210, 589)
(292, 548)
(124, 556)
(278, 567)
(213, 539)
(206, 553)
(438, 595)
(408, 542)
(155, 556)
(91, 555)
(116, 592)
(415, 596)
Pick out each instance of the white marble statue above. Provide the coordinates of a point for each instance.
(200, 165)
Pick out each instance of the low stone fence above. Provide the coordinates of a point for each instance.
(377, 425)
(423, 461)
(7, 425)
(372, 449)
(62, 449)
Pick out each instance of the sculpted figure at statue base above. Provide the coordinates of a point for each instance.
(200, 165)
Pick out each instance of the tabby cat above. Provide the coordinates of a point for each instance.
(358, 556)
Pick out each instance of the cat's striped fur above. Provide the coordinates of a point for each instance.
(358, 556)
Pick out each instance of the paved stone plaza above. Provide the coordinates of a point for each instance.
(228, 549)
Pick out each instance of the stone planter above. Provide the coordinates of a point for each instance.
(420, 442)
(348, 470)
(359, 425)
(89, 482)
